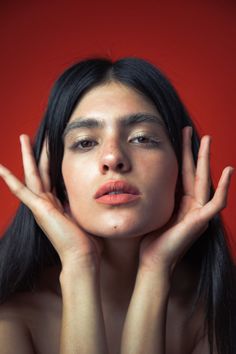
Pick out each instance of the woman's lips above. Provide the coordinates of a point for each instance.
(115, 199)
(116, 192)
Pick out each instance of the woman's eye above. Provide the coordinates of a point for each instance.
(146, 140)
(83, 144)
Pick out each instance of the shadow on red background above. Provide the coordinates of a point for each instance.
(193, 42)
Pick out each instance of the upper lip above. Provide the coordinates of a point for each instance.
(115, 185)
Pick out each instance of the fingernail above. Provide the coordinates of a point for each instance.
(231, 170)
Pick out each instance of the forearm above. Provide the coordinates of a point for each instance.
(144, 328)
(82, 329)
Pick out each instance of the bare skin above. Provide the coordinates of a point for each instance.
(41, 313)
(87, 310)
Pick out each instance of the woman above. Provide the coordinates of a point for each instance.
(117, 246)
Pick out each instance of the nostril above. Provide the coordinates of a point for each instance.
(120, 165)
(106, 168)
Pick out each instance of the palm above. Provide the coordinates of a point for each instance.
(167, 245)
(72, 239)
(69, 240)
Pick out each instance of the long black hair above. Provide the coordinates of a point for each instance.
(24, 249)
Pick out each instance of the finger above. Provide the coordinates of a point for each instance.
(188, 166)
(50, 220)
(44, 167)
(17, 187)
(219, 200)
(32, 177)
(36, 204)
(202, 177)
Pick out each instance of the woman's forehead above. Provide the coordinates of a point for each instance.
(112, 99)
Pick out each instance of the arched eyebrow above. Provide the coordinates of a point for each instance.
(124, 121)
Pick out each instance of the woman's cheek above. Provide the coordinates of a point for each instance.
(163, 196)
(75, 179)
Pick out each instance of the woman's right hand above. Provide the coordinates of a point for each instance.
(72, 244)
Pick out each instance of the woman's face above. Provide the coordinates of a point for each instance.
(121, 141)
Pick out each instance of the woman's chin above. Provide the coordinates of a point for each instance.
(118, 231)
(122, 226)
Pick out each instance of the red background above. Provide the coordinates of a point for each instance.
(192, 41)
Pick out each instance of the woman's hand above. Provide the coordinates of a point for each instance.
(70, 241)
(162, 249)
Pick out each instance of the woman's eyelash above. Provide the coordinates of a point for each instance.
(79, 144)
(85, 143)
(150, 140)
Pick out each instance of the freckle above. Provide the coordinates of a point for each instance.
(115, 227)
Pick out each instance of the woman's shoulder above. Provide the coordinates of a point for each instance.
(43, 298)
(16, 306)
(21, 304)
(30, 316)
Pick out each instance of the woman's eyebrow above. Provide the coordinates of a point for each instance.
(124, 121)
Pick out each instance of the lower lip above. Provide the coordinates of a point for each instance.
(115, 199)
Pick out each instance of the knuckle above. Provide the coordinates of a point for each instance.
(201, 156)
(32, 175)
(198, 179)
(18, 189)
(44, 207)
(37, 207)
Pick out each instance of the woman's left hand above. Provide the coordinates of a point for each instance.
(163, 248)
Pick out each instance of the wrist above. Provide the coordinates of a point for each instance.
(74, 269)
(75, 260)
(156, 281)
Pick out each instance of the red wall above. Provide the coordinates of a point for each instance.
(193, 41)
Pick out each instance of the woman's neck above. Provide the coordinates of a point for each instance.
(119, 266)
(118, 271)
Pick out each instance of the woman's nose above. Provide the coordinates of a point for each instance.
(115, 159)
